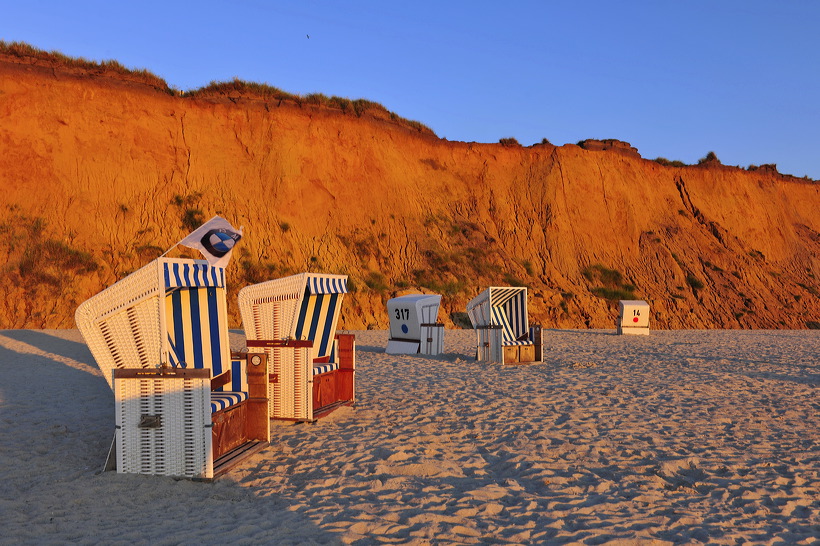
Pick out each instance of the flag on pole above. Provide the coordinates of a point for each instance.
(215, 239)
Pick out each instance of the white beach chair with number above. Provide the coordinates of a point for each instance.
(184, 405)
(633, 318)
(293, 320)
(414, 326)
(499, 316)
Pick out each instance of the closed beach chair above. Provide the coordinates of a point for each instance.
(293, 320)
(499, 316)
(184, 404)
(633, 318)
(414, 326)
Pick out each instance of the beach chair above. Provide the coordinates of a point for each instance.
(293, 320)
(633, 318)
(499, 316)
(184, 404)
(414, 326)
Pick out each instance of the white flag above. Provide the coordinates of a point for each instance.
(215, 239)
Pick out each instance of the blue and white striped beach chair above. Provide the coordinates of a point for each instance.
(499, 316)
(184, 406)
(294, 320)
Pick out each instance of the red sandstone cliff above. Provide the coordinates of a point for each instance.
(100, 174)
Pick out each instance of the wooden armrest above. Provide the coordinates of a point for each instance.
(161, 373)
(222, 379)
(266, 343)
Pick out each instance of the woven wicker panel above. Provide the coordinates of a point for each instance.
(121, 324)
(173, 439)
(268, 309)
(478, 309)
(290, 396)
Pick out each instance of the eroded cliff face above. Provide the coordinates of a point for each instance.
(100, 175)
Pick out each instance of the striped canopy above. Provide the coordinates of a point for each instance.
(501, 306)
(323, 284)
(304, 307)
(189, 273)
(171, 311)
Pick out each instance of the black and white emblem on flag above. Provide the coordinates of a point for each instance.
(215, 239)
(220, 241)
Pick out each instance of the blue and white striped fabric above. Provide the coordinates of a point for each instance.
(324, 368)
(326, 285)
(192, 274)
(513, 302)
(222, 400)
(510, 343)
(239, 379)
(316, 320)
(500, 296)
(499, 318)
(193, 321)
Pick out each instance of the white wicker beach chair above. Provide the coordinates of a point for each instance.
(293, 320)
(499, 316)
(185, 406)
(633, 318)
(414, 326)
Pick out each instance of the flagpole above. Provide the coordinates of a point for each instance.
(169, 250)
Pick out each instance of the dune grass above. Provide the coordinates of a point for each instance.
(245, 89)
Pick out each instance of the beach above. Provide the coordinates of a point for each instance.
(683, 436)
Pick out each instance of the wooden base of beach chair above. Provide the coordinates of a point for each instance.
(510, 355)
(525, 354)
(335, 389)
(519, 354)
(238, 425)
(331, 391)
(327, 410)
(295, 393)
(243, 429)
(236, 456)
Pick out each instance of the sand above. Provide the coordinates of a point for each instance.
(682, 436)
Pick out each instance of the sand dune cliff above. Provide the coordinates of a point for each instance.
(101, 174)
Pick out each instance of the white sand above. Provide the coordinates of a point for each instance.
(682, 436)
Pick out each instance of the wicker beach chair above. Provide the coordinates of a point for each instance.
(293, 320)
(499, 316)
(633, 318)
(414, 326)
(184, 404)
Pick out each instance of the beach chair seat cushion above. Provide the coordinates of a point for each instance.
(224, 400)
(521, 342)
(324, 368)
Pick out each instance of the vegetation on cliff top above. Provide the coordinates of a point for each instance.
(243, 89)
(22, 50)
(237, 88)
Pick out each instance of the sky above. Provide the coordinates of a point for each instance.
(676, 79)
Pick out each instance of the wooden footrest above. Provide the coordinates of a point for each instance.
(321, 412)
(236, 456)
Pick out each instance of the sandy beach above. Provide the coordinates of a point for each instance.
(679, 437)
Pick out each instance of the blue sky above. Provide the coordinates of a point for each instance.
(675, 79)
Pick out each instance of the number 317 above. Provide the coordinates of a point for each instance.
(403, 314)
